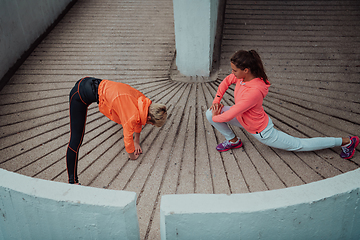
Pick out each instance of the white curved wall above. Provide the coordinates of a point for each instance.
(21, 23)
(38, 209)
(328, 209)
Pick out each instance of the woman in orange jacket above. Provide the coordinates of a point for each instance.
(121, 104)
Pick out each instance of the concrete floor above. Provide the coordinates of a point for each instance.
(311, 51)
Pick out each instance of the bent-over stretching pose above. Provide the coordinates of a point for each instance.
(251, 88)
(117, 101)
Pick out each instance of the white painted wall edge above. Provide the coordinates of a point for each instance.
(327, 209)
(21, 23)
(33, 208)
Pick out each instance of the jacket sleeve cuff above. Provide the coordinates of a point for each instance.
(217, 99)
(138, 129)
(130, 149)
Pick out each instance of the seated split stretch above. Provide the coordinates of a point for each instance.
(121, 104)
(251, 88)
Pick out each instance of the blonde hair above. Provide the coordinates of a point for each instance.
(157, 114)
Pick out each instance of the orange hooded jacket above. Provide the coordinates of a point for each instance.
(126, 106)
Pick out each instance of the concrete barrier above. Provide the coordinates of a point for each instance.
(38, 209)
(21, 24)
(328, 209)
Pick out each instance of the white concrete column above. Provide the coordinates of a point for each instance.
(195, 29)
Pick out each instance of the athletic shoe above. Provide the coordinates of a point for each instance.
(227, 145)
(349, 151)
(75, 183)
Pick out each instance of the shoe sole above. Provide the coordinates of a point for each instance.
(230, 148)
(356, 144)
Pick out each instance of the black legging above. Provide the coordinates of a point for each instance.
(81, 96)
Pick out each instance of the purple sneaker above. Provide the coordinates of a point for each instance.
(227, 145)
(349, 151)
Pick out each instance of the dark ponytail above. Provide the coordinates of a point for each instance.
(251, 60)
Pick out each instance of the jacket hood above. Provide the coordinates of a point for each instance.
(143, 105)
(258, 84)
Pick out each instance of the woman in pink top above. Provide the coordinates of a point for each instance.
(251, 88)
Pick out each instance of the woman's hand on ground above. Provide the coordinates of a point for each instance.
(138, 149)
(133, 156)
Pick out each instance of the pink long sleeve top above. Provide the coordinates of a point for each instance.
(248, 108)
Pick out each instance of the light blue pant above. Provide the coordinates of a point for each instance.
(275, 138)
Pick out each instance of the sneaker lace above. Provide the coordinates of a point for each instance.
(345, 149)
(226, 143)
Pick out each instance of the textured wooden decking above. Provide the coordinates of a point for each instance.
(311, 50)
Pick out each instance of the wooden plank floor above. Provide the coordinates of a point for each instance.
(311, 52)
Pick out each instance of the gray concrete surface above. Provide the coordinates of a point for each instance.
(311, 53)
